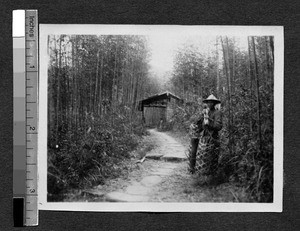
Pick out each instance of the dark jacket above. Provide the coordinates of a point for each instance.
(214, 126)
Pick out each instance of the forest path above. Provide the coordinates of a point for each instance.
(167, 156)
(167, 147)
(164, 177)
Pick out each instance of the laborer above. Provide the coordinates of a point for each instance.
(205, 145)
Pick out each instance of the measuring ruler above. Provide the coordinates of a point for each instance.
(25, 47)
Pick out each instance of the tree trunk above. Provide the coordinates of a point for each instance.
(75, 84)
(72, 84)
(99, 108)
(121, 95)
(229, 67)
(96, 85)
(51, 93)
(114, 85)
(217, 65)
(58, 91)
(269, 71)
(68, 101)
(257, 95)
(233, 71)
(226, 64)
(250, 83)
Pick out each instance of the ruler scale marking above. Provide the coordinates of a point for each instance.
(32, 116)
(25, 120)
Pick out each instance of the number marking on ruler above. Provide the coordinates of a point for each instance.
(31, 69)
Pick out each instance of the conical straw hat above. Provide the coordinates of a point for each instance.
(211, 98)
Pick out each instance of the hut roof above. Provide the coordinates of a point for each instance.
(165, 95)
(157, 97)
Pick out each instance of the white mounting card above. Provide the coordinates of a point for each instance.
(163, 41)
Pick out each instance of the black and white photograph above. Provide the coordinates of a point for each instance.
(161, 118)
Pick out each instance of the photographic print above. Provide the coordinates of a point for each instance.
(161, 118)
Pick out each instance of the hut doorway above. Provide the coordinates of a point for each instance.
(158, 109)
(154, 115)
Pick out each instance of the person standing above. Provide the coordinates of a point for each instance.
(205, 146)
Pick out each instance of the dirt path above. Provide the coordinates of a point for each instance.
(163, 177)
(161, 163)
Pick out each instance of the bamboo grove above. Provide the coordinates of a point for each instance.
(91, 75)
(94, 84)
(243, 80)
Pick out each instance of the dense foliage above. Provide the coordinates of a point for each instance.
(95, 83)
(243, 80)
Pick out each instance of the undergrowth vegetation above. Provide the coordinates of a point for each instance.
(94, 85)
(243, 79)
(244, 165)
(90, 155)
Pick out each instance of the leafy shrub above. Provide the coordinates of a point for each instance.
(86, 157)
(245, 164)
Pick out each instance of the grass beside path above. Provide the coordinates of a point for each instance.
(184, 187)
(189, 189)
(179, 186)
(133, 171)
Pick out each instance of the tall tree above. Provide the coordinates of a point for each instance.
(227, 72)
(250, 84)
(217, 67)
(257, 93)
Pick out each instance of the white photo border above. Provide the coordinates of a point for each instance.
(276, 31)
